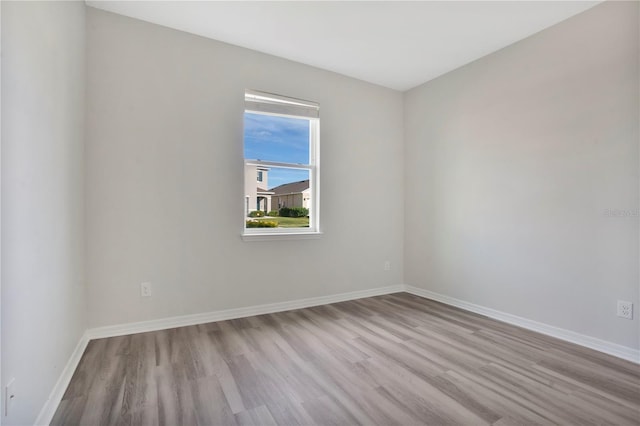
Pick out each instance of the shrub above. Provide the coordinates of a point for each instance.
(262, 224)
(256, 213)
(273, 213)
(294, 212)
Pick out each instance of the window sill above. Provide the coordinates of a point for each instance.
(282, 236)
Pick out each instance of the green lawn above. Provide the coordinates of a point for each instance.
(289, 222)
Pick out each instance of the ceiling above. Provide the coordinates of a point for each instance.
(390, 43)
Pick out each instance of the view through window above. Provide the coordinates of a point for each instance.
(280, 164)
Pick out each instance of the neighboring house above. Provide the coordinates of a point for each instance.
(256, 179)
(295, 194)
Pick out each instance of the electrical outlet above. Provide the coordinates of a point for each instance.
(9, 396)
(145, 290)
(387, 266)
(625, 309)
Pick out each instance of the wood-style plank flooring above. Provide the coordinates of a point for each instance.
(389, 360)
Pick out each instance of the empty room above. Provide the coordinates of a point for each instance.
(320, 213)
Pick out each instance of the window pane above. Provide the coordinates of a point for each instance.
(274, 138)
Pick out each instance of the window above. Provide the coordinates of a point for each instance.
(281, 148)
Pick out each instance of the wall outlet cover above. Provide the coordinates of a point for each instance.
(625, 309)
(145, 290)
(9, 395)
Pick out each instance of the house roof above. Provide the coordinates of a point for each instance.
(291, 188)
(263, 191)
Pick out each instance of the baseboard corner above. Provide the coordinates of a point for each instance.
(51, 404)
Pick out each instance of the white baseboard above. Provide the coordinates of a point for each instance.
(600, 345)
(50, 406)
(614, 349)
(181, 321)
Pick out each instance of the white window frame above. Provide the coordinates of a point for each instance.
(269, 104)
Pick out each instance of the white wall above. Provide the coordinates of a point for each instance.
(164, 147)
(43, 312)
(510, 165)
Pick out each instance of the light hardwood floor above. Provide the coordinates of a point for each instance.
(395, 359)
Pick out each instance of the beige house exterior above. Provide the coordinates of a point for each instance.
(294, 194)
(258, 197)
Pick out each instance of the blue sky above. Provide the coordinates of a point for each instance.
(282, 139)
